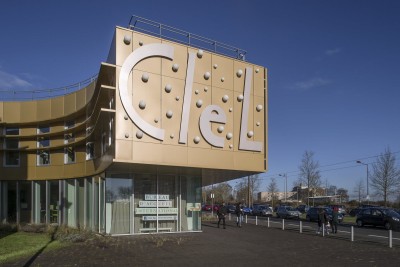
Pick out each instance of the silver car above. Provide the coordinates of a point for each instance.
(262, 210)
(287, 212)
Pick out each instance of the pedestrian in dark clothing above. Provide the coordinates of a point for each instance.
(221, 214)
(322, 220)
(335, 219)
(239, 214)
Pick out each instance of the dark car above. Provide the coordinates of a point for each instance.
(287, 212)
(231, 208)
(247, 211)
(303, 208)
(378, 216)
(354, 211)
(312, 214)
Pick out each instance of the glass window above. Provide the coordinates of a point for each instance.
(69, 136)
(89, 150)
(11, 158)
(118, 203)
(54, 202)
(25, 203)
(69, 155)
(145, 203)
(43, 157)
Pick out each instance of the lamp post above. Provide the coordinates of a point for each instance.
(358, 161)
(285, 176)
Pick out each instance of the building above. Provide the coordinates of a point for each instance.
(129, 152)
(267, 196)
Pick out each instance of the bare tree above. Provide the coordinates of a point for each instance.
(385, 178)
(272, 188)
(222, 192)
(359, 189)
(309, 173)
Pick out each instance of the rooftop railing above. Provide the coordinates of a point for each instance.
(25, 95)
(173, 34)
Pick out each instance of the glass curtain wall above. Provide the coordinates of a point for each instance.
(145, 203)
(25, 201)
(118, 204)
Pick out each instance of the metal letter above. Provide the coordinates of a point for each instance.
(208, 116)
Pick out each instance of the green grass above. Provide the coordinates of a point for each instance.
(21, 244)
(349, 219)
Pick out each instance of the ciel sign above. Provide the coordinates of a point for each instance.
(210, 114)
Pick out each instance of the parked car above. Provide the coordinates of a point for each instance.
(231, 208)
(247, 210)
(287, 212)
(312, 214)
(341, 208)
(262, 210)
(354, 211)
(303, 208)
(378, 216)
(207, 207)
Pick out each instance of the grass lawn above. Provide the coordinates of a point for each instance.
(22, 244)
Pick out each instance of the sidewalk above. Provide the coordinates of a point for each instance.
(250, 245)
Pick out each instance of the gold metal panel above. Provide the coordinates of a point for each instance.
(180, 58)
(31, 160)
(80, 99)
(152, 64)
(57, 158)
(74, 170)
(249, 161)
(45, 172)
(1, 111)
(146, 153)
(123, 150)
(217, 96)
(202, 65)
(259, 122)
(44, 110)
(69, 104)
(31, 174)
(238, 82)
(28, 111)
(222, 72)
(89, 167)
(12, 112)
(204, 158)
(174, 155)
(122, 50)
(57, 107)
(172, 101)
(150, 93)
(258, 80)
(195, 112)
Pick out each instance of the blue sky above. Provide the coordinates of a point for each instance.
(334, 75)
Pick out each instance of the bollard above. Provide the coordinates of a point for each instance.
(323, 229)
(256, 220)
(246, 218)
(283, 224)
(268, 222)
(352, 233)
(390, 239)
(229, 217)
(301, 227)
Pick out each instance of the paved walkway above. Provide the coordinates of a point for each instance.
(250, 245)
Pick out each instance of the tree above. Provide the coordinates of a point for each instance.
(359, 190)
(309, 173)
(385, 178)
(222, 192)
(272, 188)
(343, 193)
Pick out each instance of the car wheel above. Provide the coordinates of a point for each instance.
(387, 225)
(359, 223)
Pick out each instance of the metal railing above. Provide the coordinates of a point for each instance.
(173, 34)
(25, 95)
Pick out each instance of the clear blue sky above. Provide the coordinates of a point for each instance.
(334, 75)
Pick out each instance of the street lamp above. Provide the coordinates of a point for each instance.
(367, 178)
(285, 176)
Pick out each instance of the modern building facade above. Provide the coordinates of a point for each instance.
(130, 152)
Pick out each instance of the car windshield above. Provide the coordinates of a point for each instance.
(391, 213)
(290, 208)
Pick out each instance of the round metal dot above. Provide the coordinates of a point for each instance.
(215, 66)
(196, 140)
(205, 89)
(225, 98)
(229, 136)
(145, 77)
(207, 75)
(258, 123)
(239, 73)
(156, 120)
(142, 104)
(168, 88)
(127, 39)
(230, 146)
(222, 79)
(196, 92)
(175, 67)
(126, 135)
(126, 117)
(169, 114)
(139, 134)
(230, 109)
(250, 134)
(172, 136)
(199, 103)
(220, 129)
(177, 98)
(240, 98)
(259, 108)
(140, 43)
(257, 70)
(200, 53)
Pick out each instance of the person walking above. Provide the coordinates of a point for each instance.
(239, 214)
(222, 211)
(322, 220)
(335, 220)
